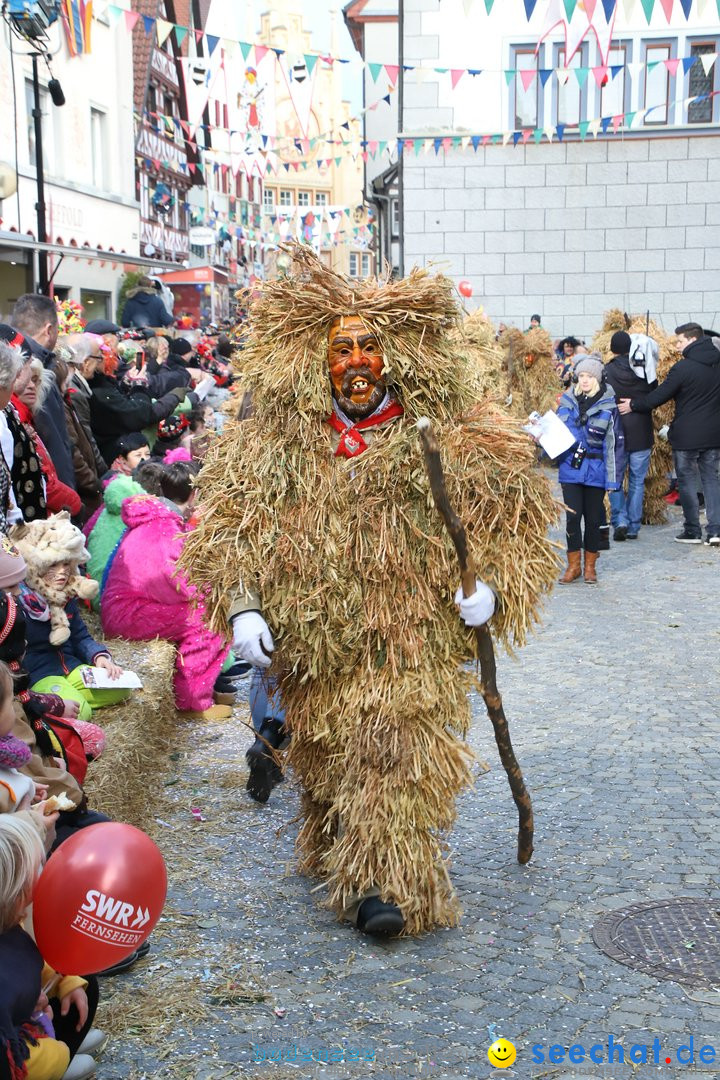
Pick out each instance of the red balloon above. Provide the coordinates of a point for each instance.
(98, 898)
(465, 288)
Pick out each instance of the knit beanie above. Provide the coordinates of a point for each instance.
(12, 565)
(15, 340)
(592, 364)
(620, 343)
(180, 347)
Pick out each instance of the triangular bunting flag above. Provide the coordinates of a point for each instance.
(529, 8)
(517, 136)
(570, 6)
(629, 118)
(260, 52)
(506, 137)
(509, 76)
(544, 74)
(114, 14)
(131, 17)
(600, 74)
(549, 133)
(688, 62)
(392, 71)
(310, 62)
(672, 66)
(212, 43)
(456, 75)
(590, 9)
(489, 5)
(667, 6)
(560, 131)
(563, 74)
(526, 135)
(686, 5)
(594, 128)
(707, 60)
(180, 34)
(245, 48)
(148, 24)
(581, 74)
(537, 135)
(583, 129)
(617, 121)
(606, 122)
(386, 99)
(526, 77)
(609, 8)
(648, 6)
(615, 70)
(374, 70)
(475, 140)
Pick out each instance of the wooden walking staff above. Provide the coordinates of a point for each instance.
(486, 651)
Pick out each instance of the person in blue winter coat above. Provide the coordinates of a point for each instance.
(595, 464)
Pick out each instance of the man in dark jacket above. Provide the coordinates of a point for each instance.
(694, 383)
(35, 316)
(113, 412)
(144, 307)
(638, 430)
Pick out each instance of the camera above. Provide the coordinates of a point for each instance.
(578, 456)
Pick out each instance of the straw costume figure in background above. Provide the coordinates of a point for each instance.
(318, 513)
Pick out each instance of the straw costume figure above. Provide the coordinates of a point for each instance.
(532, 380)
(317, 512)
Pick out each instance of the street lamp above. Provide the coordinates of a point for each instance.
(29, 20)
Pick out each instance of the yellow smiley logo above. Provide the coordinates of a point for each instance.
(501, 1054)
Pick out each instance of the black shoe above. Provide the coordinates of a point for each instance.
(376, 917)
(713, 540)
(687, 538)
(621, 533)
(631, 536)
(122, 965)
(240, 670)
(265, 773)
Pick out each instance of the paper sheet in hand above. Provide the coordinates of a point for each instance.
(97, 678)
(553, 435)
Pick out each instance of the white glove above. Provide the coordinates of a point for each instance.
(663, 432)
(204, 387)
(478, 608)
(251, 635)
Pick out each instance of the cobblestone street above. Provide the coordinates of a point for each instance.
(613, 708)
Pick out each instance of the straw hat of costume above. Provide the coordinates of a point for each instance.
(43, 544)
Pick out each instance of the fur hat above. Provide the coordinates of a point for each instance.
(44, 544)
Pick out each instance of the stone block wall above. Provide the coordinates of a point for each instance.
(570, 229)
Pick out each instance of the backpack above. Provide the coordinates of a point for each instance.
(644, 356)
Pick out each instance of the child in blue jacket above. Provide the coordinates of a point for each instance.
(595, 464)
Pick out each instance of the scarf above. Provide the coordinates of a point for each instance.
(351, 441)
(20, 973)
(14, 753)
(33, 604)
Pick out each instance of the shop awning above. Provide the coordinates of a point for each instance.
(195, 275)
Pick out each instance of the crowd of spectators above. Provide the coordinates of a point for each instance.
(102, 434)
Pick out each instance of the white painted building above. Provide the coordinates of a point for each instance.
(571, 227)
(373, 26)
(88, 147)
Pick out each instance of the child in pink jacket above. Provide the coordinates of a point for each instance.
(146, 596)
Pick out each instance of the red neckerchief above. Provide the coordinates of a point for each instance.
(351, 441)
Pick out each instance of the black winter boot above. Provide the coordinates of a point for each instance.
(265, 773)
